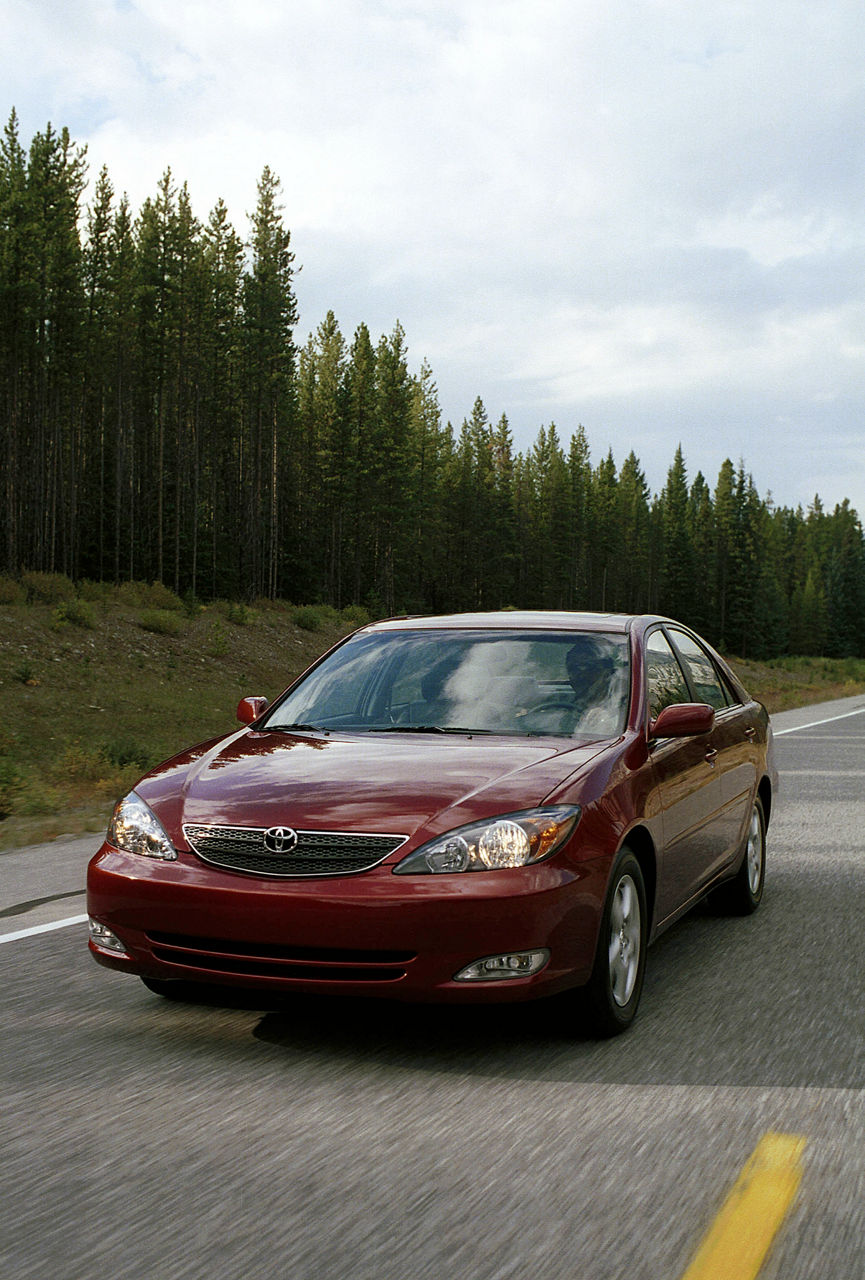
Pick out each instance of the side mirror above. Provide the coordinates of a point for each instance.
(249, 709)
(683, 720)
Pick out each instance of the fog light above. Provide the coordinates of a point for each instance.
(105, 939)
(511, 964)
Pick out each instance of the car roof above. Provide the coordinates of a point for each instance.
(510, 620)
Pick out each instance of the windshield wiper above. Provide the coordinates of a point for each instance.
(426, 728)
(290, 728)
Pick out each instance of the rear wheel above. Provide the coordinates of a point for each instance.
(613, 991)
(741, 896)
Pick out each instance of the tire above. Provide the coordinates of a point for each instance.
(613, 992)
(742, 895)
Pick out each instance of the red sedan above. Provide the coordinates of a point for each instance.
(482, 807)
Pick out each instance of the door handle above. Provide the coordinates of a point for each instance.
(711, 756)
(750, 733)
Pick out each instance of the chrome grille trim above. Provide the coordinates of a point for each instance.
(316, 854)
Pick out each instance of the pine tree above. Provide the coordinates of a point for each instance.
(123, 355)
(725, 542)
(269, 313)
(501, 520)
(158, 327)
(677, 585)
(428, 455)
(325, 459)
(221, 338)
(579, 478)
(14, 308)
(362, 408)
(49, 313)
(845, 583)
(701, 534)
(606, 542)
(390, 522)
(633, 587)
(96, 492)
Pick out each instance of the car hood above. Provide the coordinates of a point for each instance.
(397, 784)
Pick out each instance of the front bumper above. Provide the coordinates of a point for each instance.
(373, 934)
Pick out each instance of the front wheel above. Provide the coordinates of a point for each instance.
(613, 991)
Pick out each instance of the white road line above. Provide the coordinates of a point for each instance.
(42, 928)
(779, 733)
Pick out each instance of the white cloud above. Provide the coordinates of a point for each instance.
(643, 207)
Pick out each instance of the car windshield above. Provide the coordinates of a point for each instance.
(571, 684)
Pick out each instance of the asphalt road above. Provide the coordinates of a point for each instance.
(345, 1141)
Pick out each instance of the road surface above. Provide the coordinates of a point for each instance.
(337, 1140)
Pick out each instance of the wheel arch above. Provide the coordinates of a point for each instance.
(642, 846)
(764, 794)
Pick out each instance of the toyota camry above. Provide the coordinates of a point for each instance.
(480, 807)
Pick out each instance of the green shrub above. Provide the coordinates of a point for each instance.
(143, 595)
(217, 645)
(125, 751)
(264, 603)
(161, 622)
(235, 611)
(354, 615)
(239, 614)
(132, 594)
(11, 592)
(78, 612)
(47, 588)
(11, 785)
(162, 597)
(95, 592)
(11, 782)
(78, 763)
(25, 672)
(192, 606)
(309, 617)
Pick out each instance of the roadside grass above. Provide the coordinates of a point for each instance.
(790, 682)
(99, 686)
(87, 708)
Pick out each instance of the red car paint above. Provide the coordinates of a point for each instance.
(681, 803)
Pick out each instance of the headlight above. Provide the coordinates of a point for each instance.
(135, 828)
(513, 840)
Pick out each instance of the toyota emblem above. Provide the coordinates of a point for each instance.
(280, 839)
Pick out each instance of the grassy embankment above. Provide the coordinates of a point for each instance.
(97, 686)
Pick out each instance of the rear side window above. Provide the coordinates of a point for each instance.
(704, 678)
(666, 681)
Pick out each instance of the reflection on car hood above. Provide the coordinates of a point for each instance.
(385, 783)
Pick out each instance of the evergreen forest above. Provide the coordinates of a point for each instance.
(159, 421)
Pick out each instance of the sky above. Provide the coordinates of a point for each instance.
(645, 217)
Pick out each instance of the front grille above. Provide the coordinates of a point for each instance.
(275, 960)
(316, 853)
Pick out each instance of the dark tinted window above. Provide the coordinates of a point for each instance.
(701, 671)
(666, 683)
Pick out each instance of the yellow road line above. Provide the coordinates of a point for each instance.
(739, 1239)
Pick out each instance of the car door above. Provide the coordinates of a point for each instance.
(732, 737)
(687, 782)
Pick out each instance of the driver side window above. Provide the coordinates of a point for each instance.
(666, 682)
